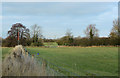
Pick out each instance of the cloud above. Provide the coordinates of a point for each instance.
(61, 8)
(104, 21)
(55, 18)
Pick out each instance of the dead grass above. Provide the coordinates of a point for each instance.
(19, 63)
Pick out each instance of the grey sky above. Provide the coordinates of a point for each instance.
(56, 17)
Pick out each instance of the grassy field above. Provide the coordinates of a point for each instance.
(101, 61)
(5, 51)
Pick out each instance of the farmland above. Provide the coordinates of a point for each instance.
(101, 61)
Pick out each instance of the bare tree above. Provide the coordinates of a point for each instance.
(68, 32)
(115, 32)
(91, 31)
(68, 38)
(36, 32)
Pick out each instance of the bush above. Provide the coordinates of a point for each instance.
(37, 44)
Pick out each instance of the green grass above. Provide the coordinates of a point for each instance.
(102, 61)
(5, 51)
(50, 44)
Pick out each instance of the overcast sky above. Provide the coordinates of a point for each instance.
(56, 17)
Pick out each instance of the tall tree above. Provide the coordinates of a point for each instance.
(20, 32)
(91, 32)
(69, 37)
(115, 32)
(68, 32)
(36, 33)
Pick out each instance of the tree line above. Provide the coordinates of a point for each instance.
(19, 34)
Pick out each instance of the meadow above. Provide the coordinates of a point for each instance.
(100, 61)
(82, 61)
(5, 51)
